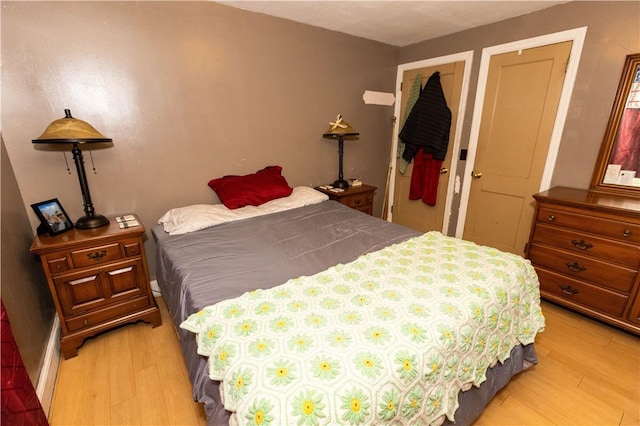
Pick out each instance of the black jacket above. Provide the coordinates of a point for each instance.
(429, 122)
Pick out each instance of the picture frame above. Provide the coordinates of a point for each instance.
(54, 219)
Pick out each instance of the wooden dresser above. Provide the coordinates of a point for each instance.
(98, 279)
(356, 197)
(585, 247)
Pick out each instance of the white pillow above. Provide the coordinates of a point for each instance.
(200, 216)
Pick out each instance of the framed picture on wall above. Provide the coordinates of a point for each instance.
(54, 220)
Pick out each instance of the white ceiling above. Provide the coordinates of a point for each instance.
(398, 23)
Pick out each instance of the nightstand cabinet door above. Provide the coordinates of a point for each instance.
(98, 279)
(99, 286)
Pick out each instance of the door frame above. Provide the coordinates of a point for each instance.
(577, 36)
(467, 58)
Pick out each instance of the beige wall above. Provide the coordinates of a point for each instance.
(24, 290)
(188, 91)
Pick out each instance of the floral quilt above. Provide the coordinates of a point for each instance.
(390, 338)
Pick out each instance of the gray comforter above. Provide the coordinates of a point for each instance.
(201, 268)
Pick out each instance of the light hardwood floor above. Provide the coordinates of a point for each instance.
(588, 374)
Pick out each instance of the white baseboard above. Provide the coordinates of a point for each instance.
(49, 371)
(155, 289)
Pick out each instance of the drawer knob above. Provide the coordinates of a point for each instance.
(567, 289)
(582, 244)
(357, 201)
(626, 233)
(575, 267)
(97, 255)
(552, 218)
(85, 322)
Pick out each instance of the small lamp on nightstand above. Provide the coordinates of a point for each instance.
(340, 130)
(69, 130)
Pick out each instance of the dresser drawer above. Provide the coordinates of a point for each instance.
(622, 231)
(583, 268)
(107, 314)
(358, 201)
(585, 294)
(589, 245)
(96, 255)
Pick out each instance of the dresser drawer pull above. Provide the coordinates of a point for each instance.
(575, 267)
(626, 233)
(85, 322)
(567, 289)
(356, 202)
(552, 218)
(97, 255)
(582, 244)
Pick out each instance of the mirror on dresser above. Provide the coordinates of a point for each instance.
(618, 166)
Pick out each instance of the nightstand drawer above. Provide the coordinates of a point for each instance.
(107, 314)
(356, 197)
(368, 209)
(131, 247)
(96, 255)
(358, 201)
(57, 262)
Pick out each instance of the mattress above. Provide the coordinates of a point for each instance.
(202, 268)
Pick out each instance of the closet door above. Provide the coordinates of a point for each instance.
(518, 115)
(416, 214)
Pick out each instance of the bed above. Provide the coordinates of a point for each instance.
(235, 281)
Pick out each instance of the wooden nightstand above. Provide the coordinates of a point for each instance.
(356, 197)
(98, 279)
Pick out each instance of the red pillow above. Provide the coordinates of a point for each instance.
(251, 190)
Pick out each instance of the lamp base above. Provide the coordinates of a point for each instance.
(90, 222)
(341, 183)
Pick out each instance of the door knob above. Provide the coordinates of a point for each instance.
(444, 171)
(476, 175)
